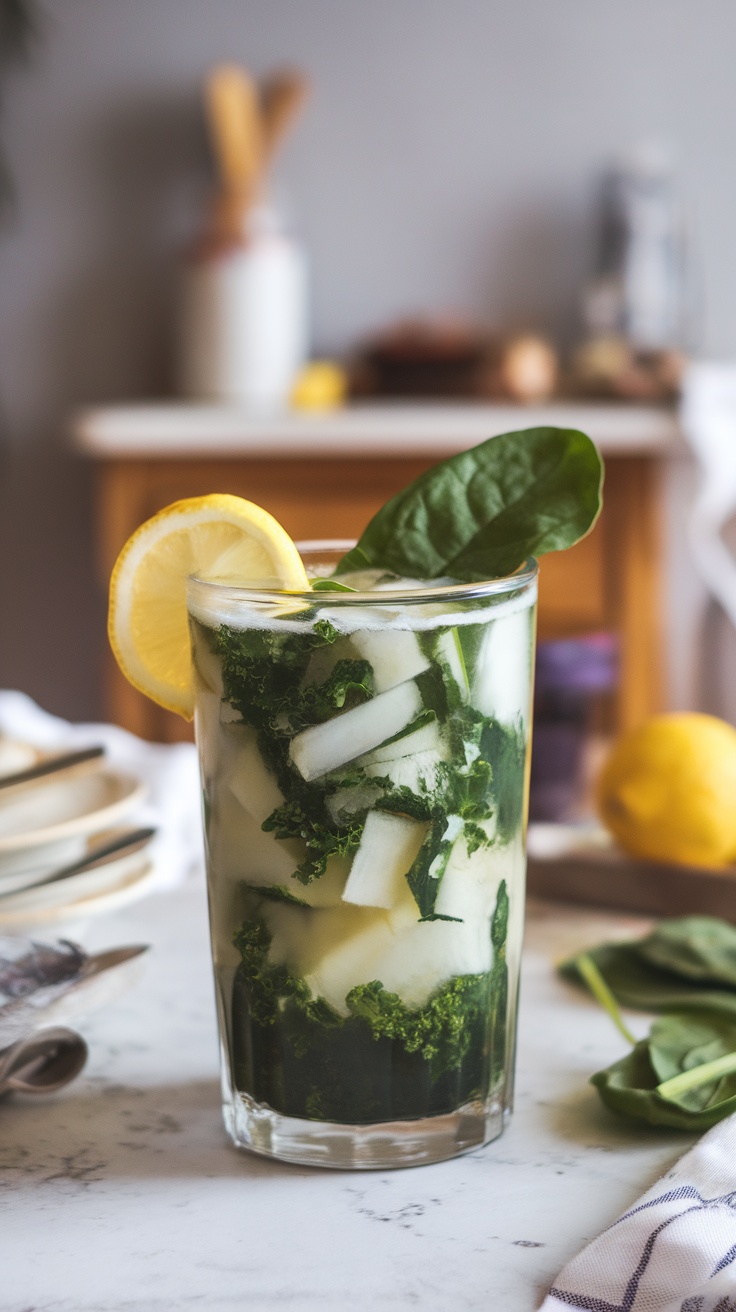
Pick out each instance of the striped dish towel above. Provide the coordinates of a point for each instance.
(673, 1251)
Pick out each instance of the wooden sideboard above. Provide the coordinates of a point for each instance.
(326, 476)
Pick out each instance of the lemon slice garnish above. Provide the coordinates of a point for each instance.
(215, 536)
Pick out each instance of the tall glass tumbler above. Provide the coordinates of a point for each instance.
(365, 765)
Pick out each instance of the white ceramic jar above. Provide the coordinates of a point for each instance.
(243, 329)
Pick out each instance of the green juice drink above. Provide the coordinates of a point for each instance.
(364, 766)
(363, 718)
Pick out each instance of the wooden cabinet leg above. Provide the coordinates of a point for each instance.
(634, 573)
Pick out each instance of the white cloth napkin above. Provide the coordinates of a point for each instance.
(170, 772)
(674, 1250)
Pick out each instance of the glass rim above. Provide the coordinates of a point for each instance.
(522, 577)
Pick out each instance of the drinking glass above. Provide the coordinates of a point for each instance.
(365, 762)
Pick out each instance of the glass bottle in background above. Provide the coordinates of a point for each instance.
(652, 250)
(640, 307)
(575, 679)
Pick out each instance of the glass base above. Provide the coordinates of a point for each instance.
(361, 1147)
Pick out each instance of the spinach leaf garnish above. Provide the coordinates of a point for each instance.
(482, 513)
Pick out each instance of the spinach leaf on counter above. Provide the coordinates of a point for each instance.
(635, 980)
(482, 513)
(700, 948)
(683, 1076)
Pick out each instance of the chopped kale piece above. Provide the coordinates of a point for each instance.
(269, 984)
(295, 819)
(263, 671)
(441, 1030)
(505, 747)
(278, 893)
(475, 837)
(499, 987)
(382, 1061)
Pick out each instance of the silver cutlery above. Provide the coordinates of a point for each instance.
(43, 984)
(52, 765)
(42, 1063)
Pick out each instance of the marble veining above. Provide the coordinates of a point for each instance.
(123, 1192)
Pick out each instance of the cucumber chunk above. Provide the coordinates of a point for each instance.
(331, 950)
(419, 772)
(336, 949)
(241, 850)
(388, 848)
(395, 656)
(324, 747)
(426, 738)
(502, 682)
(346, 803)
(251, 781)
(206, 728)
(207, 663)
(326, 891)
(448, 655)
(470, 880)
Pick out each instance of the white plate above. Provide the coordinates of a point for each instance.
(15, 755)
(55, 810)
(131, 887)
(29, 864)
(105, 874)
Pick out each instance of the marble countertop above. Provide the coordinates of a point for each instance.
(123, 1192)
(187, 430)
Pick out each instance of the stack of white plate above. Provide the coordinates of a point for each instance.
(54, 822)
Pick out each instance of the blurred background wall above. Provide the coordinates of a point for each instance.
(450, 158)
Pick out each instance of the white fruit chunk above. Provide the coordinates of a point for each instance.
(251, 781)
(388, 848)
(331, 950)
(206, 663)
(427, 738)
(206, 728)
(337, 949)
(502, 682)
(326, 891)
(470, 881)
(449, 657)
(427, 955)
(418, 773)
(395, 656)
(348, 802)
(241, 850)
(324, 747)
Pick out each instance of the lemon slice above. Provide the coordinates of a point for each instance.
(215, 536)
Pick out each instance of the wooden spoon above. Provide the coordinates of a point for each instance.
(234, 117)
(282, 96)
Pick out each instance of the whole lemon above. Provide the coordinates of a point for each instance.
(668, 790)
(320, 385)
